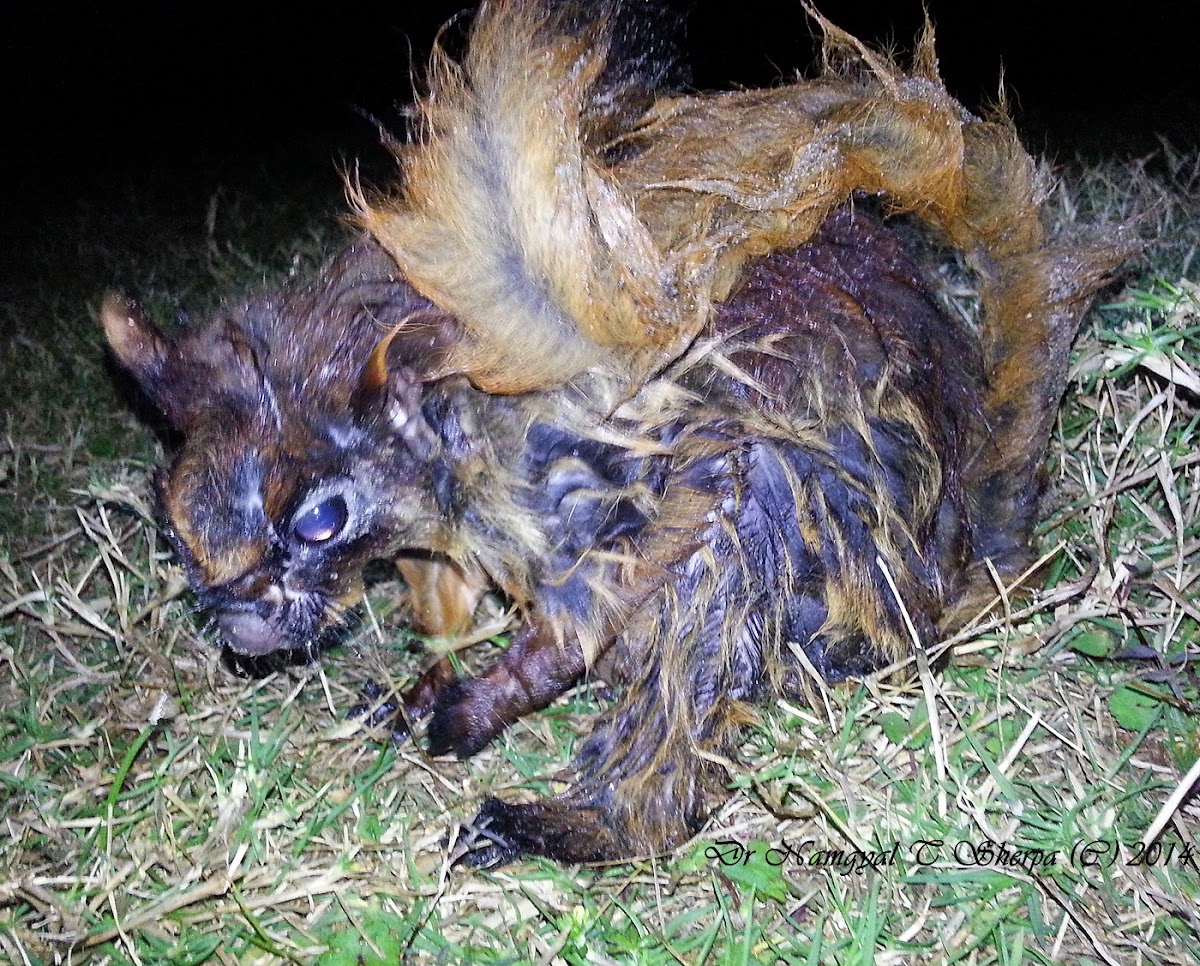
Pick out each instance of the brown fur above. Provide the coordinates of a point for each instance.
(643, 365)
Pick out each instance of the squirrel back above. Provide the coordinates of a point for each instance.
(616, 233)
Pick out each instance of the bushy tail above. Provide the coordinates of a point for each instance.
(1032, 305)
(581, 226)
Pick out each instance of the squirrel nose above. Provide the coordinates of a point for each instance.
(247, 633)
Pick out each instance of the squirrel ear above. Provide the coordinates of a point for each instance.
(135, 341)
(377, 383)
(413, 353)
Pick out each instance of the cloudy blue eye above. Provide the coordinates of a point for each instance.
(321, 522)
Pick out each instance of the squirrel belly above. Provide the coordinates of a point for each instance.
(666, 371)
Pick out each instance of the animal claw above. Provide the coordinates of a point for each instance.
(376, 712)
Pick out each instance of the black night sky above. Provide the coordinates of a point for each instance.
(108, 93)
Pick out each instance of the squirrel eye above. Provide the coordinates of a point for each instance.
(321, 522)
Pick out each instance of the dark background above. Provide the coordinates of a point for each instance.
(101, 97)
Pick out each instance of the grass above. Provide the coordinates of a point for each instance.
(157, 807)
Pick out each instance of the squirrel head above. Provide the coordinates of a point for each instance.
(306, 449)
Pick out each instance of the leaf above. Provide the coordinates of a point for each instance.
(1133, 708)
(1097, 643)
(757, 872)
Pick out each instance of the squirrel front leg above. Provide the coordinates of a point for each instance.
(443, 597)
(467, 713)
(535, 668)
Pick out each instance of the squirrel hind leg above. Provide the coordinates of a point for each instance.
(596, 820)
(646, 777)
(554, 828)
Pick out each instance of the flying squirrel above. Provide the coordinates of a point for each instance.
(656, 367)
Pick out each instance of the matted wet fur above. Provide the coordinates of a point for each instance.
(644, 364)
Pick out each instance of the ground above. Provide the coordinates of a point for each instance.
(158, 807)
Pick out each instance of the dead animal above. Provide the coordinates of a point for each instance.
(660, 370)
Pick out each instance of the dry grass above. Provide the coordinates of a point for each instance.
(159, 808)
